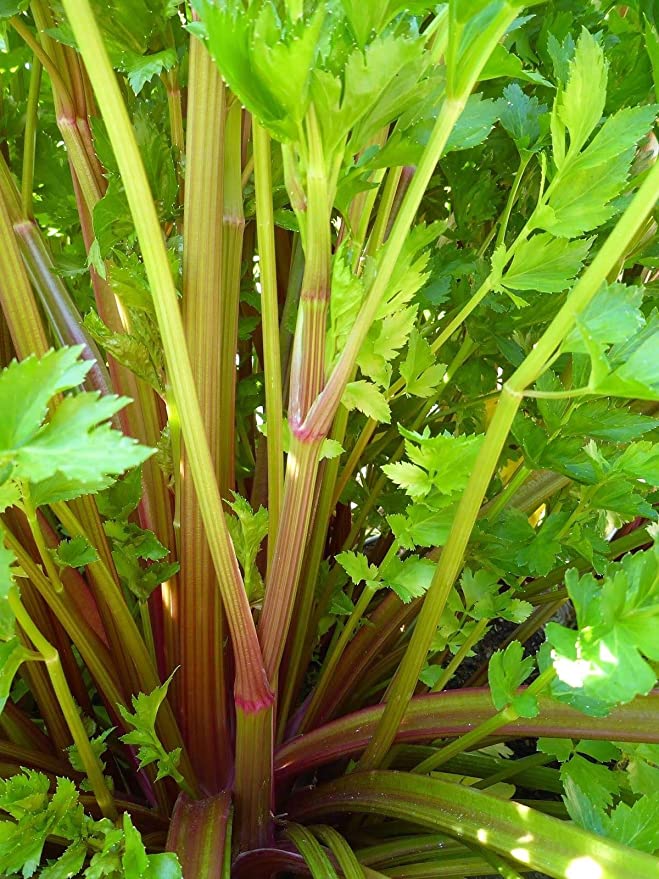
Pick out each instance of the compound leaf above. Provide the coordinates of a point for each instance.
(144, 735)
(605, 663)
(581, 104)
(421, 372)
(507, 671)
(364, 395)
(75, 553)
(546, 264)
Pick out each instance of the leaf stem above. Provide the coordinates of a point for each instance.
(200, 690)
(336, 651)
(51, 658)
(301, 471)
(62, 313)
(16, 297)
(251, 681)
(331, 661)
(29, 140)
(483, 730)
(513, 769)
(502, 867)
(172, 86)
(47, 63)
(37, 534)
(444, 715)
(199, 831)
(306, 382)
(93, 652)
(383, 215)
(558, 848)
(254, 775)
(270, 317)
(132, 642)
(324, 408)
(558, 395)
(147, 631)
(475, 636)
(233, 228)
(505, 217)
(519, 478)
(304, 631)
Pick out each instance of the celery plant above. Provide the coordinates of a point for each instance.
(329, 383)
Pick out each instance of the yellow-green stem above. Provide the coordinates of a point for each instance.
(308, 357)
(361, 207)
(51, 658)
(475, 636)
(501, 237)
(512, 486)
(132, 642)
(384, 210)
(485, 729)
(37, 534)
(270, 318)
(36, 675)
(233, 227)
(336, 651)
(147, 631)
(251, 681)
(94, 653)
(59, 86)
